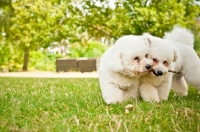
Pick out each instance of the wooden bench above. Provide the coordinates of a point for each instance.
(80, 64)
(65, 65)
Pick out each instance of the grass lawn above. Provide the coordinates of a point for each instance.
(60, 105)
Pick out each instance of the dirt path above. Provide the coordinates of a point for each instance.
(39, 74)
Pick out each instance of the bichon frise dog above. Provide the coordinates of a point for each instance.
(121, 66)
(187, 65)
(156, 85)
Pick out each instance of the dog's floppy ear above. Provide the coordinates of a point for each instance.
(147, 38)
(121, 62)
(116, 63)
(121, 58)
(175, 56)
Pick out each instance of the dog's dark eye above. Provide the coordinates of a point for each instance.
(146, 55)
(136, 58)
(164, 62)
(154, 60)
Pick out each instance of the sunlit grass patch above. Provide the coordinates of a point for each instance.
(31, 104)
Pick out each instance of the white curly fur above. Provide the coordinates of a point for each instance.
(156, 85)
(180, 34)
(187, 65)
(121, 66)
(123, 73)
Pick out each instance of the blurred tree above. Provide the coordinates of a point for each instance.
(6, 12)
(99, 19)
(155, 17)
(36, 24)
(6, 48)
(95, 18)
(30, 25)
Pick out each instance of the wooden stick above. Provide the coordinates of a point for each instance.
(173, 71)
(168, 71)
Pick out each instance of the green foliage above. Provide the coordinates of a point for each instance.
(197, 45)
(91, 50)
(95, 49)
(10, 59)
(36, 104)
(42, 61)
(196, 32)
(155, 17)
(34, 24)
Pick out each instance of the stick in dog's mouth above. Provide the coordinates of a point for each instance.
(168, 71)
(173, 71)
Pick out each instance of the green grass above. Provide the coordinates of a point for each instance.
(60, 105)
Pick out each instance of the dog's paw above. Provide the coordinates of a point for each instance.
(163, 98)
(151, 99)
(112, 100)
(181, 93)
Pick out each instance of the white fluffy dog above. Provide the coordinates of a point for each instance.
(187, 65)
(121, 66)
(156, 85)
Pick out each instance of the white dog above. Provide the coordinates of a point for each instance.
(121, 66)
(156, 85)
(187, 65)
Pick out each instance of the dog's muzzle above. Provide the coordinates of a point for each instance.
(157, 73)
(148, 66)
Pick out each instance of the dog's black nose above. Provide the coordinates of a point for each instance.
(159, 73)
(148, 66)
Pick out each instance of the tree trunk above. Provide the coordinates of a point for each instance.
(26, 55)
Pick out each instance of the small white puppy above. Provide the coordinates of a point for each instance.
(187, 65)
(156, 85)
(121, 66)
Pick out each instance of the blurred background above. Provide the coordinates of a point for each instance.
(34, 33)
